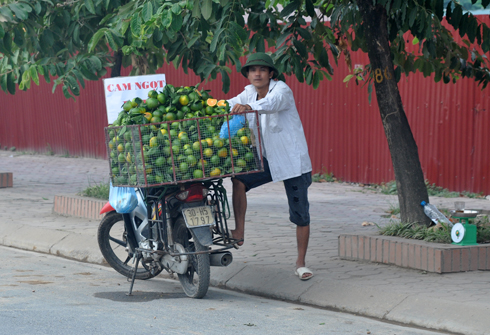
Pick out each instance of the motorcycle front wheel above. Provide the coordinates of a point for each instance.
(195, 281)
(112, 240)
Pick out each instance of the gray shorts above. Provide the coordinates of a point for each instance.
(296, 191)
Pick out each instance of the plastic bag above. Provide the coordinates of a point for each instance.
(123, 199)
(237, 122)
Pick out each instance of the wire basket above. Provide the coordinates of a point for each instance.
(172, 152)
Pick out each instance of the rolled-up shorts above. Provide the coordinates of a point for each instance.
(296, 191)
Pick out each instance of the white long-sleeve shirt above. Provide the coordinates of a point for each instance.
(282, 132)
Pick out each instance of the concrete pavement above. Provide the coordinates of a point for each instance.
(455, 302)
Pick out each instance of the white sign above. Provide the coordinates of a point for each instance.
(120, 89)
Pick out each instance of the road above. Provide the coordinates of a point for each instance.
(44, 294)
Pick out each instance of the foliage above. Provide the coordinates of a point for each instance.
(324, 176)
(439, 234)
(433, 190)
(97, 190)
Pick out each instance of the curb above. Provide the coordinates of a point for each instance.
(82, 207)
(6, 179)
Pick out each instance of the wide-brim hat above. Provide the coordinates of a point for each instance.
(260, 58)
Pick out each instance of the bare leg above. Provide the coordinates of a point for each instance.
(239, 209)
(302, 238)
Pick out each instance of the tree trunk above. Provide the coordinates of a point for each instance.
(116, 68)
(403, 149)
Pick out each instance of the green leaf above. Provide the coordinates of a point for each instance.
(347, 78)
(3, 82)
(89, 4)
(486, 38)
(95, 61)
(317, 77)
(34, 74)
(207, 9)
(193, 40)
(176, 23)
(196, 11)
(79, 77)
(6, 13)
(301, 48)
(66, 93)
(310, 9)
(2, 32)
(291, 7)
(11, 83)
(20, 11)
(136, 25)
(110, 40)
(147, 12)
(439, 9)
(73, 85)
(214, 42)
(95, 39)
(415, 40)
(412, 17)
(225, 78)
(370, 92)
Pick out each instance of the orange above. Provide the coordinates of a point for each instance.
(235, 152)
(222, 103)
(153, 142)
(208, 152)
(222, 152)
(244, 140)
(211, 102)
(197, 174)
(120, 148)
(184, 100)
(241, 163)
(209, 142)
(215, 172)
(148, 116)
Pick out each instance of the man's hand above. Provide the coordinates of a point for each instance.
(240, 108)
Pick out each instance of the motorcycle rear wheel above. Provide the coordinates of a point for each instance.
(195, 281)
(111, 236)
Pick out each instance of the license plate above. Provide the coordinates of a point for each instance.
(198, 216)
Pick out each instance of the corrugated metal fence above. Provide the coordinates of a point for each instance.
(345, 135)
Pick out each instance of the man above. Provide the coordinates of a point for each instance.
(284, 150)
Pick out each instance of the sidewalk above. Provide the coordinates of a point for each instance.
(456, 302)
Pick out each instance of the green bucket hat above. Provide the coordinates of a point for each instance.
(260, 58)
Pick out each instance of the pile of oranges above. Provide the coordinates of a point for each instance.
(174, 136)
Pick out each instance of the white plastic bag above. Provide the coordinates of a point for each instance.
(123, 199)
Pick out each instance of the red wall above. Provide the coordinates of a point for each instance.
(345, 135)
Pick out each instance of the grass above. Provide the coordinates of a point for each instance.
(438, 234)
(99, 191)
(324, 177)
(433, 190)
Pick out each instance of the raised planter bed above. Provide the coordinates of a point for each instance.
(415, 254)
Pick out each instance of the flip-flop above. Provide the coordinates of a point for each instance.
(301, 271)
(235, 245)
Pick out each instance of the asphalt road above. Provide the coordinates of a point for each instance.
(44, 294)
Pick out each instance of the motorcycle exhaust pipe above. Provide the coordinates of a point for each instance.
(220, 258)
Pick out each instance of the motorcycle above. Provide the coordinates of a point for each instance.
(180, 228)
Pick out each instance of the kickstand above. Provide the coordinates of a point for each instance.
(138, 257)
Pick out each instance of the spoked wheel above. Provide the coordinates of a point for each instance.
(111, 237)
(195, 281)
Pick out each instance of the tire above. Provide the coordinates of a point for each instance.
(195, 281)
(111, 229)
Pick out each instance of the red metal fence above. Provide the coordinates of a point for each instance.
(344, 133)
